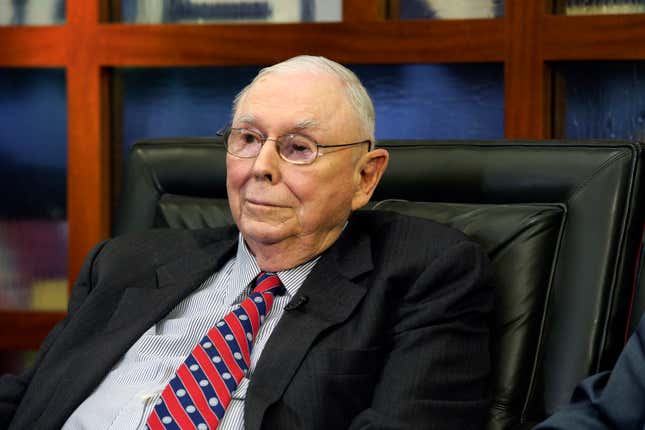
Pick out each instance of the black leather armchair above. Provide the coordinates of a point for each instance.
(561, 222)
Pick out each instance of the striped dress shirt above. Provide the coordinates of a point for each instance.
(127, 395)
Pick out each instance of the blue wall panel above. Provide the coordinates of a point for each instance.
(33, 143)
(179, 101)
(605, 100)
(426, 101)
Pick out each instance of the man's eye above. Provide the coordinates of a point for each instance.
(300, 144)
(249, 138)
(296, 147)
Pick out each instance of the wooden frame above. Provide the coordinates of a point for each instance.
(527, 40)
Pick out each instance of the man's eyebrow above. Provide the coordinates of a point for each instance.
(306, 124)
(246, 118)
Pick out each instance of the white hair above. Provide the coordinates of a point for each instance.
(356, 93)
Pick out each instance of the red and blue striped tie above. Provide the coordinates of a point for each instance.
(199, 392)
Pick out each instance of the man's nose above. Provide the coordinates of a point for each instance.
(267, 164)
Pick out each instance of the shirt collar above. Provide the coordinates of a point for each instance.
(246, 269)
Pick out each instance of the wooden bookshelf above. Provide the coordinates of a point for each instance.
(527, 40)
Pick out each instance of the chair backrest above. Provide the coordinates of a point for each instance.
(561, 222)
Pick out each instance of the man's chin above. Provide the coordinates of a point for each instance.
(262, 233)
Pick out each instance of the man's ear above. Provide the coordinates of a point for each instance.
(370, 169)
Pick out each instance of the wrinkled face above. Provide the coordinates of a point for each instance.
(273, 201)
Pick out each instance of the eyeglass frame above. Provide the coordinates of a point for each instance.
(226, 132)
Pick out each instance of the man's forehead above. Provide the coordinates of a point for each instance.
(301, 86)
(295, 100)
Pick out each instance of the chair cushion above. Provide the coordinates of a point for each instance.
(192, 212)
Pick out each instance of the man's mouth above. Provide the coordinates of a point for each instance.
(259, 202)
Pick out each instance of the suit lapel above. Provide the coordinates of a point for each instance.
(140, 306)
(332, 298)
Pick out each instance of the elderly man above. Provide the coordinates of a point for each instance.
(307, 315)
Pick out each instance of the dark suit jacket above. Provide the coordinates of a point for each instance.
(609, 400)
(394, 334)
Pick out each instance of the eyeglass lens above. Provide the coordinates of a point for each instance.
(294, 148)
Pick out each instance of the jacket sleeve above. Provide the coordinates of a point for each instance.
(13, 387)
(436, 374)
(607, 400)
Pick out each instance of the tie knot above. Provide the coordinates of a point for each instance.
(268, 282)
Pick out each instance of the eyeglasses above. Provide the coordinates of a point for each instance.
(293, 148)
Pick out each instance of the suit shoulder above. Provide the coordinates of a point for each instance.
(152, 248)
(408, 243)
(389, 225)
